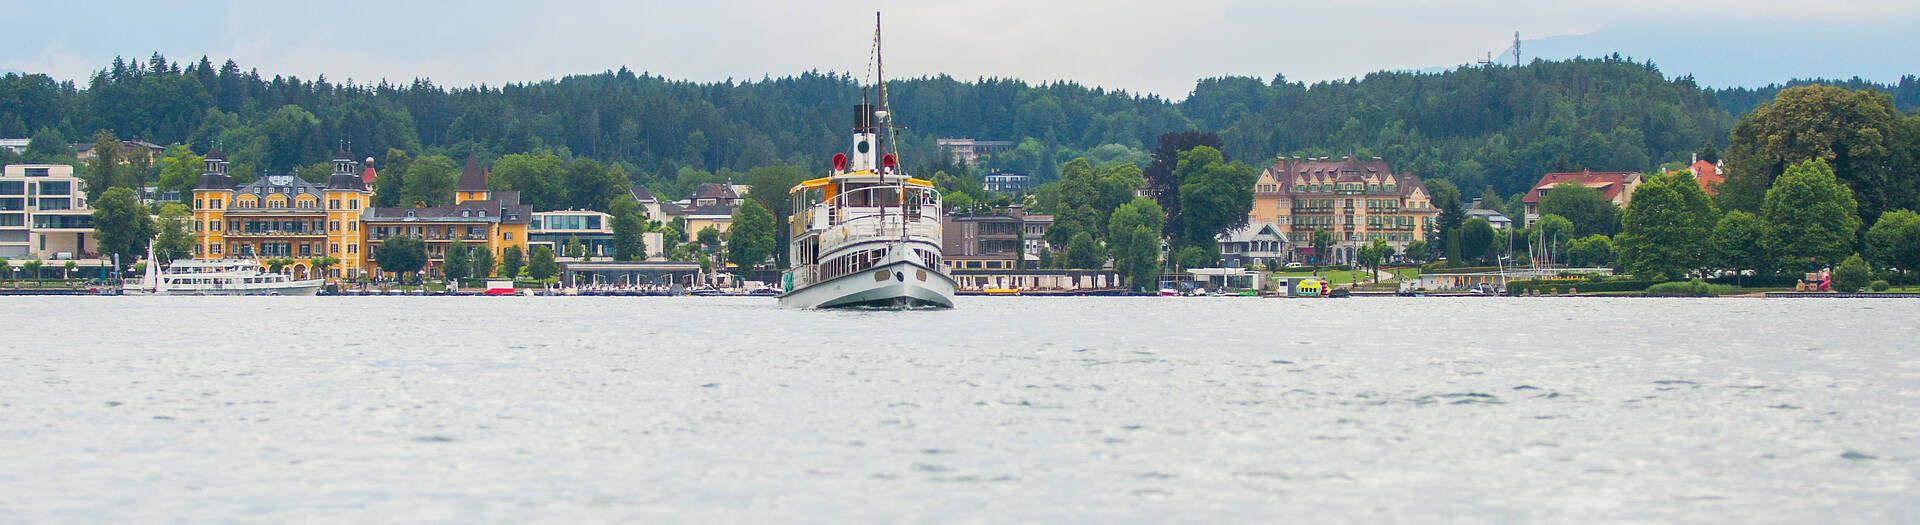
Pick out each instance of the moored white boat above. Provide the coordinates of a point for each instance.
(226, 277)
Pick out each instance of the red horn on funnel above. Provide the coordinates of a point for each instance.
(887, 161)
(839, 162)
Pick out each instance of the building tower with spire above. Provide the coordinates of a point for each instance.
(347, 198)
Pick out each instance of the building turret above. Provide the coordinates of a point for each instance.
(343, 177)
(216, 177)
(473, 183)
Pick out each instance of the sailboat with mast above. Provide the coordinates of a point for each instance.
(867, 234)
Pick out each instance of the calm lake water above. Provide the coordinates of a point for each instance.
(731, 410)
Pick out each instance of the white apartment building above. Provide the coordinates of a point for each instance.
(44, 214)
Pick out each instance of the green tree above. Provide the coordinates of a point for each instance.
(541, 265)
(401, 255)
(174, 241)
(1589, 211)
(573, 248)
(1456, 256)
(750, 238)
(457, 263)
(1857, 132)
(121, 225)
(1320, 240)
(483, 263)
(709, 239)
(1737, 246)
(1894, 242)
(1084, 252)
(48, 146)
(180, 170)
(1552, 233)
(1852, 275)
(510, 262)
(429, 181)
(1665, 231)
(591, 185)
(1215, 195)
(537, 176)
(1476, 236)
(104, 170)
(323, 265)
(66, 271)
(1592, 251)
(629, 223)
(1372, 254)
(32, 266)
(1417, 251)
(390, 188)
(1134, 230)
(1809, 216)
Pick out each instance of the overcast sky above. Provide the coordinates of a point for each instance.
(1142, 46)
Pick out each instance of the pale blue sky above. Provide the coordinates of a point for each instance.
(1157, 46)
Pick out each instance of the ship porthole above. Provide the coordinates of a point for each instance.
(880, 276)
(920, 274)
(900, 276)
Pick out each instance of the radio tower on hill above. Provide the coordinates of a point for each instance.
(1516, 49)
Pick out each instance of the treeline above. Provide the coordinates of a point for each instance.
(1497, 126)
(1740, 100)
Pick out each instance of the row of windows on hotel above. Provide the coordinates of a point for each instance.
(1345, 188)
(286, 249)
(1373, 221)
(477, 233)
(1373, 205)
(276, 202)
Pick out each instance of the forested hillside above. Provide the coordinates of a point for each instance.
(1498, 125)
(1740, 101)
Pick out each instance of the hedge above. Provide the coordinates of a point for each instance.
(1693, 288)
(1552, 286)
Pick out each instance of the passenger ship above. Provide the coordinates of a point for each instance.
(223, 277)
(867, 235)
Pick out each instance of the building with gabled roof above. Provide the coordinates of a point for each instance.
(1356, 200)
(1614, 186)
(282, 216)
(1710, 175)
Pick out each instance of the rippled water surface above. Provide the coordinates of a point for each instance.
(1006, 409)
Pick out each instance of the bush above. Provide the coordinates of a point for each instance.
(1852, 275)
(1879, 286)
(1581, 284)
(1693, 288)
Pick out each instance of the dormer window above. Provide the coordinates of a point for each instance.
(466, 213)
(410, 213)
(483, 213)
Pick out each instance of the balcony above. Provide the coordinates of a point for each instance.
(1311, 210)
(277, 233)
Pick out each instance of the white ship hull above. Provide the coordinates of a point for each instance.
(897, 283)
(309, 287)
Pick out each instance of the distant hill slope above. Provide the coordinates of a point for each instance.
(1500, 126)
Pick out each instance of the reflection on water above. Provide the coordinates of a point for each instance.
(1003, 409)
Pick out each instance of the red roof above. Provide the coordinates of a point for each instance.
(368, 176)
(1709, 176)
(1610, 183)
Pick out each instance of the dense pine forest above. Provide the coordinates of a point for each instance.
(1497, 126)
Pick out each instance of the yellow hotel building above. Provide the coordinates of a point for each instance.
(1355, 200)
(282, 216)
